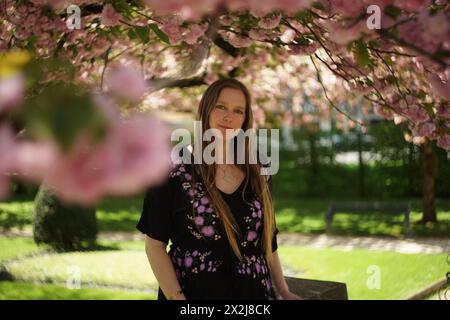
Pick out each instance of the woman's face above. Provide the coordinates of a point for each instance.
(229, 111)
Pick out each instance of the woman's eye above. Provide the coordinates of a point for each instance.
(220, 107)
(239, 112)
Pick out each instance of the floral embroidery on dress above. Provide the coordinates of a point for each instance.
(192, 262)
(204, 224)
(254, 222)
(204, 217)
(256, 267)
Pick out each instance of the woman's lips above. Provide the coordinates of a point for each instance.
(224, 127)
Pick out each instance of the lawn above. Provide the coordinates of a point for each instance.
(304, 215)
(307, 216)
(43, 273)
(12, 247)
(119, 268)
(28, 291)
(124, 265)
(401, 275)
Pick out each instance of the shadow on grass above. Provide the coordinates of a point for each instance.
(5, 275)
(307, 215)
(294, 214)
(89, 247)
(113, 214)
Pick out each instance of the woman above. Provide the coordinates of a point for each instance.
(219, 217)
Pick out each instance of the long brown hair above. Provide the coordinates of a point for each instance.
(253, 176)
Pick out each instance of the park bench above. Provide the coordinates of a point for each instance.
(366, 207)
(317, 289)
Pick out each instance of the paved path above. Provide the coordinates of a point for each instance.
(414, 245)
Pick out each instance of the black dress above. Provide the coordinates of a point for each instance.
(204, 263)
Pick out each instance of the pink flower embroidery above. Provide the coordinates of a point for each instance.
(188, 262)
(199, 221)
(251, 236)
(208, 231)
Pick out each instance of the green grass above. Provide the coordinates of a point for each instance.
(307, 216)
(115, 268)
(14, 247)
(46, 272)
(113, 214)
(119, 214)
(401, 275)
(125, 265)
(304, 215)
(16, 213)
(28, 291)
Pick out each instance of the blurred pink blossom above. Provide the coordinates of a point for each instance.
(383, 112)
(342, 35)
(439, 87)
(416, 113)
(288, 36)
(110, 17)
(134, 155)
(142, 155)
(34, 160)
(11, 92)
(172, 28)
(349, 8)
(426, 129)
(194, 33)
(443, 112)
(239, 41)
(443, 141)
(7, 148)
(126, 82)
(257, 34)
(270, 22)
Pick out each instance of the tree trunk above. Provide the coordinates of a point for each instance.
(314, 166)
(410, 172)
(429, 164)
(361, 173)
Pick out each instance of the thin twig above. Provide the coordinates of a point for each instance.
(105, 64)
(406, 44)
(391, 52)
(147, 16)
(319, 78)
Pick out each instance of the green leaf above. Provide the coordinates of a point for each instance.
(132, 34)
(389, 61)
(392, 11)
(142, 33)
(361, 54)
(60, 112)
(318, 5)
(390, 79)
(159, 33)
(302, 41)
(123, 7)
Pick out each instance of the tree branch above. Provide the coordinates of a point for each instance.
(319, 78)
(163, 83)
(386, 34)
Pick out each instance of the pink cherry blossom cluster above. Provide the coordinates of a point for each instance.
(172, 26)
(12, 89)
(134, 155)
(402, 77)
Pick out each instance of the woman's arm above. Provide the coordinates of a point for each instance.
(163, 268)
(276, 274)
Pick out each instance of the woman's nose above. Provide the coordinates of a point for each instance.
(227, 115)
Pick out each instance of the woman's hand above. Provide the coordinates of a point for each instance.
(287, 295)
(180, 297)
